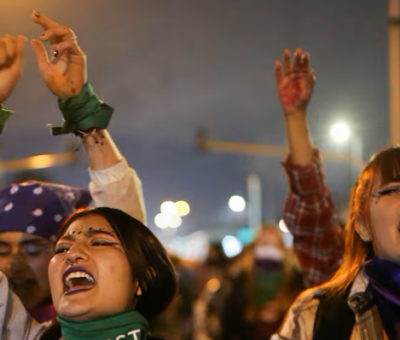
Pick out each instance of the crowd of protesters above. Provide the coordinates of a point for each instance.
(72, 272)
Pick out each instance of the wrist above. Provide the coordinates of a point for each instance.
(83, 112)
(295, 114)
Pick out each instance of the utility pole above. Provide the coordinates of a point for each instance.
(394, 70)
(266, 150)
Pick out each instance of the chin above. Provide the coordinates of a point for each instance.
(74, 311)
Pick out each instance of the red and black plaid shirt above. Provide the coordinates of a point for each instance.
(309, 214)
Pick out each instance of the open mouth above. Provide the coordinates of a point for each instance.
(77, 279)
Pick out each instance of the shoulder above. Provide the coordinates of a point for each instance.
(299, 321)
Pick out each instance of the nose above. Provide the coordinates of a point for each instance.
(17, 264)
(76, 254)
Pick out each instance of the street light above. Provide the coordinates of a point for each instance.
(340, 132)
(237, 203)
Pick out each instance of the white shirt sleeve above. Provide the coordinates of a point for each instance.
(118, 187)
(15, 321)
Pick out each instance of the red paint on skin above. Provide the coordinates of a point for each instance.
(291, 95)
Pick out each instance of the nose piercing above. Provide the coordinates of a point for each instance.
(69, 261)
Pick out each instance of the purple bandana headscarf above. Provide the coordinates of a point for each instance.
(39, 207)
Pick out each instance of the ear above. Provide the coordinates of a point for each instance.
(362, 230)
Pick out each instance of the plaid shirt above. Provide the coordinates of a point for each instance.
(310, 216)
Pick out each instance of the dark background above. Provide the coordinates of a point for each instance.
(170, 67)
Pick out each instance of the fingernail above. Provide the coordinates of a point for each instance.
(43, 36)
(37, 14)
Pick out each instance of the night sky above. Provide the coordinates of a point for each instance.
(170, 67)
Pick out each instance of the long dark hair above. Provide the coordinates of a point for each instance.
(147, 257)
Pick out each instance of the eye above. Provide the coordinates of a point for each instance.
(102, 243)
(389, 191)
(33, 250)
(5, 249)
(61, 249)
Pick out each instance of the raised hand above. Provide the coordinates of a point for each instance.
(65, 73)
(11, 58)
(295, 80)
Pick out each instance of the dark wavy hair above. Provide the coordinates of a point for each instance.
(147, 257)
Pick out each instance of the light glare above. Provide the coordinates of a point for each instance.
(237, 203)
(183, 208)
(161, 221)
(168, 207)
(175, 221)
(340, 132)
(283, 227)
(213, 285)
(231, 246)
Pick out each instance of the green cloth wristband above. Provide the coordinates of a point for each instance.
(4, 115)
(84, 112)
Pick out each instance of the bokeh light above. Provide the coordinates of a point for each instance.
(168, 207)
(182, 208)
(231, 246)
(175, 221)
(237, 203)
(340, 132)
(213, 285)
(162, 221)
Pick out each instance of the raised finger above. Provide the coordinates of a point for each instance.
(311, 79)
(297, 57)
(278, 72)
(58, 33)
(11, 47)
(306, 61)
(20, 46)
(64, 46)
(41, 54)
(43, 21)
(286, 61)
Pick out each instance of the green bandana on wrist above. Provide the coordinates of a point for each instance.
(84, 112)
(4, 115)
(128, 326)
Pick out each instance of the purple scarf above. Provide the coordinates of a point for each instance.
(384, 280)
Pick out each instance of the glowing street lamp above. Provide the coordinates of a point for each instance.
(237, 203)
(340, 132)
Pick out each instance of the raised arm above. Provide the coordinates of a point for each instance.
(11, 60)
(309, 211)
(114, 183)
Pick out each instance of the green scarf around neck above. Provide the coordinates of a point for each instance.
(128, 326)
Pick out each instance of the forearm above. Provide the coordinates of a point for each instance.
(119, 187)
(102, 154)
(299, 139)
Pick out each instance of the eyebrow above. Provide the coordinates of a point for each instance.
(33, 241)
(89, 233)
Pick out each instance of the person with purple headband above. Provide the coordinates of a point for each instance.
(32, 212)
